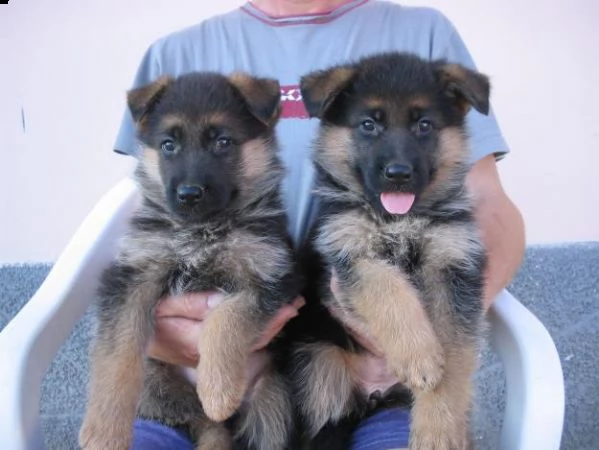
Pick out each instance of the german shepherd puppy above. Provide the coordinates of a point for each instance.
(396, 226)
(211, 217)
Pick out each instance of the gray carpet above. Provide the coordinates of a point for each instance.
(559, 284)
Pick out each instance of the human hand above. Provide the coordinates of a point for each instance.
(178, 329)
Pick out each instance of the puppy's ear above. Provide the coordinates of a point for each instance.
(262, 95)
(142, 100)
(468, 87)
(319, 89)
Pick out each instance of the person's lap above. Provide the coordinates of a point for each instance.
(387, 429)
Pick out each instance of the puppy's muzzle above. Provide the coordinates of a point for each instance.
(190, 195)
(398, 173)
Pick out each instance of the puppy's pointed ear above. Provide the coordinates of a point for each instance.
(319, 89)
(262, 95)
(468, 87)
(142, 100)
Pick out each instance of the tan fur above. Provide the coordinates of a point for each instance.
(111, 410)
(452, 72)
(391, 307)
(331, 152)
(450, 244)
(255, 156)
(116, 379)
(472, 88)
(151, 164)
(349, 234)
(440, 417)
(326, 384)
(453, 153)
(140, 99)
(267, 417)
(170, 121)
(323, 86)
(257, 92)
(240, 257)
(419, 102)
(217, 119)
(221, 372)
(375, 103)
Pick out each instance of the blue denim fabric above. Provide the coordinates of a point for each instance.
(149, 435)
(382, 431)
(385, 430)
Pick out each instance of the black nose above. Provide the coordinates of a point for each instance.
(190, 194)
(398, 172)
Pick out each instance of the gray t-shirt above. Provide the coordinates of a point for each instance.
(285, 48)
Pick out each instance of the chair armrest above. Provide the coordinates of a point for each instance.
(30, 341)
(534, 413)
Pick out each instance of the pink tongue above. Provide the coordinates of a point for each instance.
(397, 202)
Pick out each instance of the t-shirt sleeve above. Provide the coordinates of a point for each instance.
(485, 134)
(148, 71)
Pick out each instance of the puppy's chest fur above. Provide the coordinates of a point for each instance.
(224, 256)
(409, 243)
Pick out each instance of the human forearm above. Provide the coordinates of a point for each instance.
(501, 225)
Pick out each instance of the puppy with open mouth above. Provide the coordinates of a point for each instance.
(396, 226)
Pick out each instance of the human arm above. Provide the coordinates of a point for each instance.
(501, 226)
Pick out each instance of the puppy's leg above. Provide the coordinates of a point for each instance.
(324, 390)
(440, 417)
(454, 291)
(394, 315)
(266, 420)
(169, 398)
(228, 335)
(117, 370)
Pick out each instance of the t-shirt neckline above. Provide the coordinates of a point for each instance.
(301, 19)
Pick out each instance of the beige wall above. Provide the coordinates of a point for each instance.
(66, 64)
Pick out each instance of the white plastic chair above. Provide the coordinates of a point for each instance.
(535, 390)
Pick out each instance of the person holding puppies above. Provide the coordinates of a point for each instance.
(285, 39)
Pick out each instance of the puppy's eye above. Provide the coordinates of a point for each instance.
(424, 126)
(168, 146)
(368, 126)
(223, 144)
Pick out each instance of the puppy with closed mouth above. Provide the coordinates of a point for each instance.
(396, 227)
(210, 218)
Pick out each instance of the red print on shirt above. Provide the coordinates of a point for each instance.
(292, 105)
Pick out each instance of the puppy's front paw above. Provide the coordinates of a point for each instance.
(422, 371)
(426, 370)
(220, 392)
